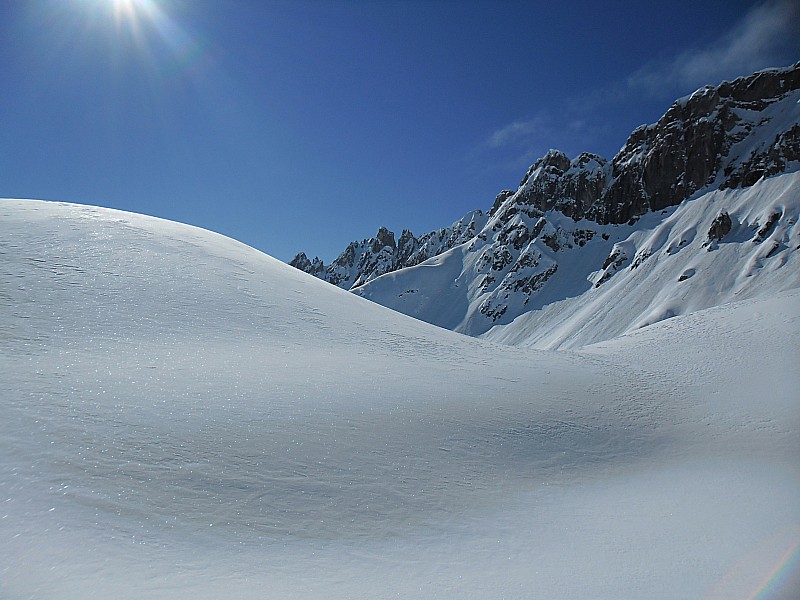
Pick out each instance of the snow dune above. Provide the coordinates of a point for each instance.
(185, 417)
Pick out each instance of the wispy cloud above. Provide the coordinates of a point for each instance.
(517, 132)
(537, 131)
(516, 145)
(762, 38)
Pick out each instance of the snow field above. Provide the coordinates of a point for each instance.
(185, 417)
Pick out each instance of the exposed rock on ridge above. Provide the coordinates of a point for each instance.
(700, 140)
(365, 260)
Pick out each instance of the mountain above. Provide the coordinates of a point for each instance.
(186, 417)
(365, 260)
(699, 208)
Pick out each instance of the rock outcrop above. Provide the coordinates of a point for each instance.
(720, 227)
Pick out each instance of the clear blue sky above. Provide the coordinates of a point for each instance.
(303, 125)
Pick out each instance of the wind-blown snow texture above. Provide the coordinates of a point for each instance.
(185, 417)
(553, 263)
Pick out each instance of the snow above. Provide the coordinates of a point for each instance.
(672, 269)
(662, 266)
(185, 417)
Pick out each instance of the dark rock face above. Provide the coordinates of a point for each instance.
(555, 182)
(301, 262)
(384, 239)
(583, 188)
(499, 199)
(663, 164)
(766, 163)
(613, 263)
(767, 228)
(720, 227)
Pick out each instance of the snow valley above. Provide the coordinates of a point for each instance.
(185, 417)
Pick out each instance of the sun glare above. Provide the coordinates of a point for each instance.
(134, 14)
(128, 9)
(145, 23)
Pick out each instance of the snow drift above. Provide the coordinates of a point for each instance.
(184, 416)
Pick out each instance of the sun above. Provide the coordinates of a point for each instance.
(145, 24)
(132, 14)
(128, 9)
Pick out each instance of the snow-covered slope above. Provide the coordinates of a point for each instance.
(616, 278)
(185, 417)
(525, 272)
(365, 260)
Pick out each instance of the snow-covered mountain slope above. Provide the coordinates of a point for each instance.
(573, 224)
(616, 278)
(365, 260)
(185, 417)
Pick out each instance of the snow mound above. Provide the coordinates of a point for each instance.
(184, 416)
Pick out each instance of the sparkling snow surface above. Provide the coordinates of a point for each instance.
(185, 417)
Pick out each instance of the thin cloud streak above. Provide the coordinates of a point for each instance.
(765, 34)
(537, 131)
(514, 147)
(517, 132)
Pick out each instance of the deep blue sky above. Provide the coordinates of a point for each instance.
(303, 125)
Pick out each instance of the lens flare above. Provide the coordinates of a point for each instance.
(764, 572)
(139, 18)
(130, 11)
(125, 6)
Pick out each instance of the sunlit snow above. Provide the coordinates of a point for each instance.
(185, 417)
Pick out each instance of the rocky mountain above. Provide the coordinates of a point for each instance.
(365, 260)
(576, 225)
